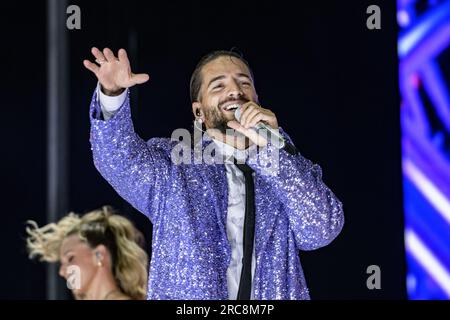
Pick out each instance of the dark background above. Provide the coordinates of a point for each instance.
(331, 82)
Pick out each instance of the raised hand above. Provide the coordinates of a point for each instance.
(114, 74)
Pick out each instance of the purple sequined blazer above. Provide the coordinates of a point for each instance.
(187, 205)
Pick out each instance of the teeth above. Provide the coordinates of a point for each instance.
(232, 107)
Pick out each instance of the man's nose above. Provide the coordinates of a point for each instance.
(235, 91)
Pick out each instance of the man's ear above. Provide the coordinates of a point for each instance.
(196, 108)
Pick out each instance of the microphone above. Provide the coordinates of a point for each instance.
(265, 131)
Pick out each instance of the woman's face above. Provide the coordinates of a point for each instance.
(78, 264)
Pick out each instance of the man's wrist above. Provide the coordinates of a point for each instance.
(111, 93)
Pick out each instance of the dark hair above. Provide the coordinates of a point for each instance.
(196, 78)
(98, 232)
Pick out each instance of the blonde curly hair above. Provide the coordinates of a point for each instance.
(102, 226)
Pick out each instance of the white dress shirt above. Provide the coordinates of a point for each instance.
(236, 198)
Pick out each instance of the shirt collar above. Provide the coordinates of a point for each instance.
(230, 152)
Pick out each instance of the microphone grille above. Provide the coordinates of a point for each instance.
(237, 114)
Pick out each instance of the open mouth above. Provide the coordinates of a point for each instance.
(231, 107)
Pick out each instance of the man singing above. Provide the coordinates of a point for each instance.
(221, 230)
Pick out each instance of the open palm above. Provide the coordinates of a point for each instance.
(114, 73)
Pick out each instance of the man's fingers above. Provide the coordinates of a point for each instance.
(98, 54)
(250, 116)
(254, 120)
(233, 124)
(252, 113)
(109, 55)
(248, 105)
(123, 56)
(260, 117)
(249, 133)
(91, 66)
(140, 78)
(249, 108)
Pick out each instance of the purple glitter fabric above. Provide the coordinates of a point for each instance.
(187, 205)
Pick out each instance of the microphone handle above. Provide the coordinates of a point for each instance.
(271, 134)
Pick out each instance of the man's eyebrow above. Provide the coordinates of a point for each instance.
(222, 77)
(244, 75)
(215, 79)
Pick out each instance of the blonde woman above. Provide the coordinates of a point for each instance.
(100, 253)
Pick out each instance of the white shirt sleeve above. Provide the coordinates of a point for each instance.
(110, 104)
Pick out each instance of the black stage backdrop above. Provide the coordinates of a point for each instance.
(331, 81)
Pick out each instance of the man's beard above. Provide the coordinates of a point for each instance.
(217, 118)
(218, 121)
